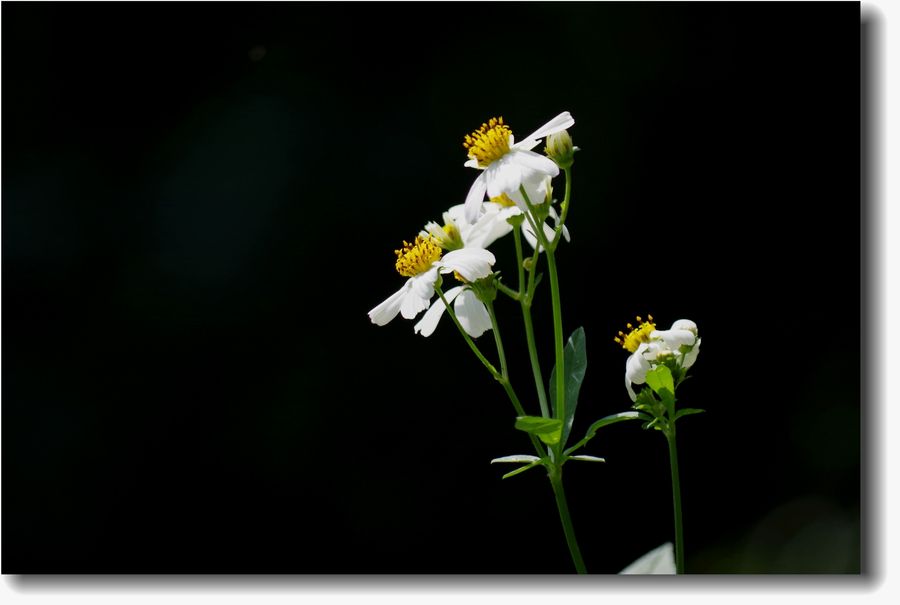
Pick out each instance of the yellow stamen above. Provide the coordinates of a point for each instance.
(489, 143)
(417, 257)
(503, 200)
(636, 336)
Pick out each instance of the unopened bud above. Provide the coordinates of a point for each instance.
(560, 149)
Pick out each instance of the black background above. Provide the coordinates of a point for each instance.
(200, 203)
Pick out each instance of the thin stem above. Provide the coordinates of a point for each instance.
(525, 303)
(504, 369)
(676, 501)
(501, 378)
(560, 411)
(562, 505)
(469, 340)
(508, 291)
(564, 208)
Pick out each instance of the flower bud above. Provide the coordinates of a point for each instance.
(560, 149)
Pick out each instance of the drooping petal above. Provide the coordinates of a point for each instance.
(429, 321)
(560, 122)
(386, 311)
(691, 356)
(636, 368)
(475, 197)
(472, 314)
(421, 289)
(471, 263)
(531, 237)
(533, 161)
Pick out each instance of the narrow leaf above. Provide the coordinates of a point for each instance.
(575, 366)
(631, 415)
(688, 412)
(516, 458)
(548, 430)
(521, 469)
(588, 458)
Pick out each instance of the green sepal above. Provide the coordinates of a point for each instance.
(515, 220)
(548, 430)
(592, 431)
(575, 366)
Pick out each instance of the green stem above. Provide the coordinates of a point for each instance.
(504, 369)
(507, 290)
(501, 378)
(471, 343)
(564, 208)
(562, 505)
(525, 303)
(560, 411)
(676, 501)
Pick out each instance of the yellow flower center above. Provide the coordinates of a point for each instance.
(418, 256)
(637, 335)
(489, 143)
(503, 200)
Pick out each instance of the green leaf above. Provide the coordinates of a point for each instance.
(521, 469)
(592, 431)
(688, 412)
(548, 430)
(660, 379)
(575, 366)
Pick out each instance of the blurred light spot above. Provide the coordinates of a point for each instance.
(257, 53)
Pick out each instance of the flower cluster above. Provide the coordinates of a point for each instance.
(676, 348)
(514, 178)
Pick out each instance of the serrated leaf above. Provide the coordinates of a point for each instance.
(611, 419)
(548, 430)
(574, 366)
(688, 412)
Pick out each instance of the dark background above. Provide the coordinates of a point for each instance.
(200, 203)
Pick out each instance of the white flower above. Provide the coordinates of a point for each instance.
(459, 233)
(649, 346)
(471, 313)
(507, 164)
(539, 191)
(421, 261)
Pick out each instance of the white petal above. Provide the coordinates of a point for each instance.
(685, 324)
(534, 161)
(637, 366)
(491, 226)
(516, 458)
(691, 356)
(674, 339)
(472, 314)
(429, 321)
(471, 263)
(421, 289)
(659, 561)
(530, 236)
(470, 163)
(386, 311)
(504, 176)
(475, 197)
(557, 124)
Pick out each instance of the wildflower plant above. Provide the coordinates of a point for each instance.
(514, 193)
